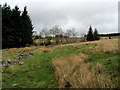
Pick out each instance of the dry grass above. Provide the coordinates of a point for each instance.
(16, 50)
(104, 45)
(110, 45)
(64, 40)
(46, 49)
(73, 71)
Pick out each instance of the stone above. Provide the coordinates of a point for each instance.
(9, 61)
(21, 54)
(21, 63)
(6, 64)
(14, 85)
(31, 53)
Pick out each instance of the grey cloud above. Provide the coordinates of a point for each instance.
(76, 14)
(101, 15)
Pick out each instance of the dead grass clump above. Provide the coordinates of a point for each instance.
(72, 71)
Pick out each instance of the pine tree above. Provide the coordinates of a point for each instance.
(6, 27)
(96, 35)
(26, 29)
(16, 26)
(90, 34)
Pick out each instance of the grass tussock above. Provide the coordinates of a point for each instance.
(75, 71)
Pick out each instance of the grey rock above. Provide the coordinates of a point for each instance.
(5, 64)
(21, 54)
(31, 53)
(9, 61)
(21, 63)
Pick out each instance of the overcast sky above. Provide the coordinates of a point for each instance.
(101, 14)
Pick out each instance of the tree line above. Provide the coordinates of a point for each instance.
(57, 34)
(111, 34)
(17, 28)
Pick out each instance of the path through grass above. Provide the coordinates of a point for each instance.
(37, 71)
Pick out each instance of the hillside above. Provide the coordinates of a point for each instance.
(73, 65)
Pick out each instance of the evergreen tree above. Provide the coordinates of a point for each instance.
(26, 28)
(16, 27)
(16, 18)
(90, 35)
(7, 38)
(96, 35)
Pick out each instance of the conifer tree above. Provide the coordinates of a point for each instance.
(26, 28)
(90, 34)
(16, 18)
(16, 27)
(7, 38)
(96, 35)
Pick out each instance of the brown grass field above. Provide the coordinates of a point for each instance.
(75, 70)
(64, 40)
(103, 45)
